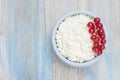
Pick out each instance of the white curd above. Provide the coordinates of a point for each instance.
(73, 39)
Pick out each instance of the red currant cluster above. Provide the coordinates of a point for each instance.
(97, 35)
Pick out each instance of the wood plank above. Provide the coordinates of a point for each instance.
(4, 68)
(24, 43)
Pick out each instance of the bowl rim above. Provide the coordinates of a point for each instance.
(74, 64)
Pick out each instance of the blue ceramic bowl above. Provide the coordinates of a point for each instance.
(75, 64)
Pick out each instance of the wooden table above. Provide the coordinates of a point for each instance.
(26, 51)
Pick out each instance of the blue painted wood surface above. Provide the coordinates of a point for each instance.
(26, 51)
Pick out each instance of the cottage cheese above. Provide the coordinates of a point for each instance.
(73, 39)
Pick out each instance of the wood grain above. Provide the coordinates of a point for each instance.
(26, 51)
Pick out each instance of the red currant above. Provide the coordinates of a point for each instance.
(100, 31)
(102, 36)
(99, 25)
(102, 47)
(103, 41)
(92, 37)
(95, 44)
(99, 52)
(97, 20)
(96, 39)
(95, 49)
(91, 30)
(90, 25)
